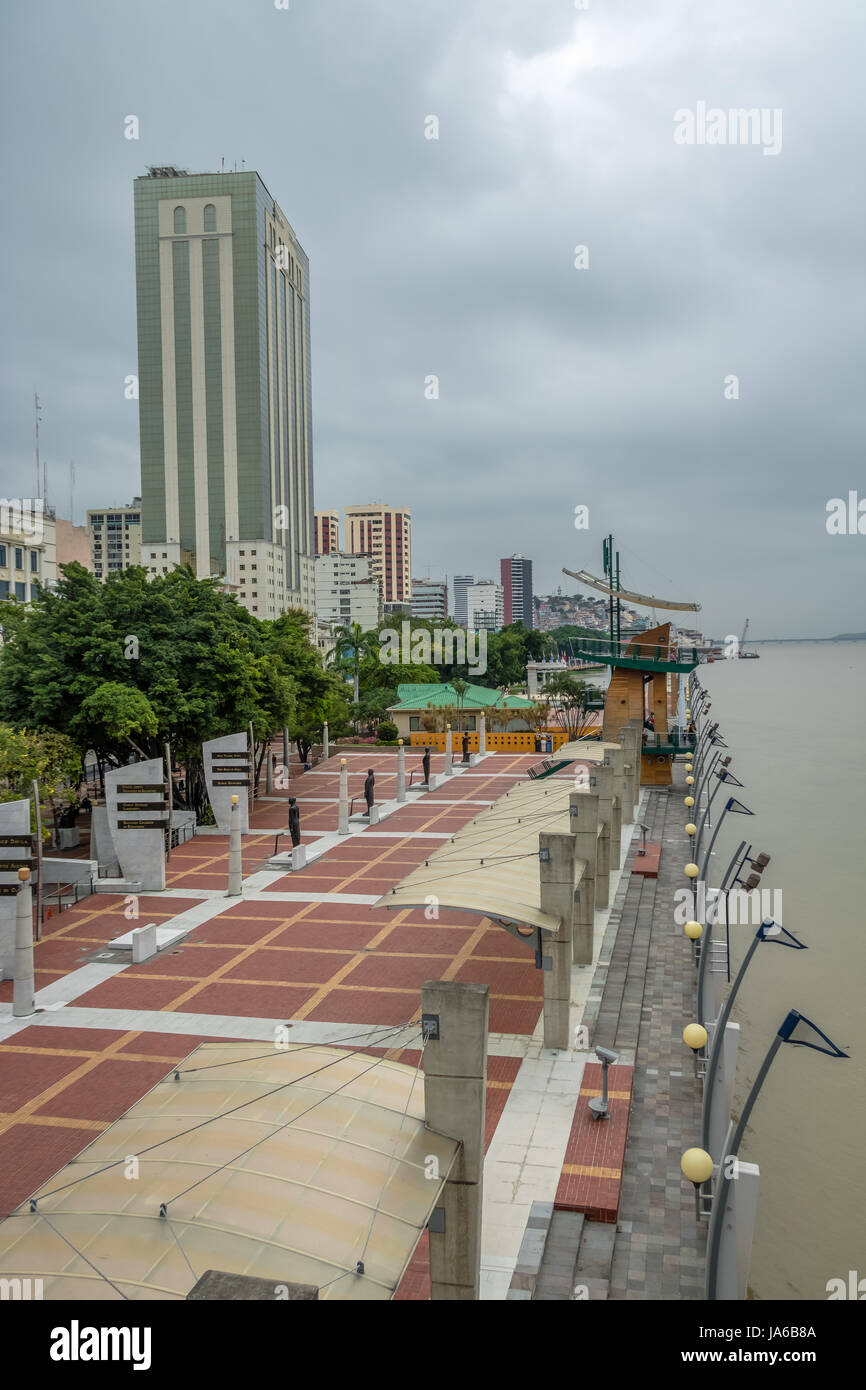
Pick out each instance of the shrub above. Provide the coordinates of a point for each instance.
(387, 732)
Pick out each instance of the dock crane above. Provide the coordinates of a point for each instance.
(741, 650)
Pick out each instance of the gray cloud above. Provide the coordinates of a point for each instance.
(455, 257)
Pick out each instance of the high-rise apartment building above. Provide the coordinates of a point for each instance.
(484, 606)
(429, 599)
(225, 405)
(385, 534)
(326, 531)
(115, 538)
(346, 591)
(461, 583)
(516, 579)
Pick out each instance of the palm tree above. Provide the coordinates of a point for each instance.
(353, 642)
(460, 688)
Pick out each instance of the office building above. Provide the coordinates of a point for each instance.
(516, 578)
(346, 591)
(385, 534)
(429, 599)
(115, 538)
(224, 386)
(461, 583)
(326, 532)
(484, 606)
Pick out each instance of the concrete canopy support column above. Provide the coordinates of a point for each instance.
(604, 787)
(583, 816)
(401, 771)
(448, 753)
(343, 813)
(482, 735)
(621, 788)
(269, 772)
(631, 736)
(326, 751)
(454, 1017)
(556, 853)
(23, 992)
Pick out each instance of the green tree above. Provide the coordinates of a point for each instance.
(50, 759)
(351, 645)
(194, 665)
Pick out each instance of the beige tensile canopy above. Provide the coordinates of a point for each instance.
(287, 1164)
(490, 866)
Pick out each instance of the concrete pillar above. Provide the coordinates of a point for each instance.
(269, 771)
(557, 898)
(583, 816)
(611, 757)
(455, 1088)
(604, 787)
(326, 752)
(622, 785)
(235, 860)
(448, 754)
(482, 735)
(401, 771)
(631, 738)
(23, 991)
(286, 752)
(343, 823)
(719, 1092)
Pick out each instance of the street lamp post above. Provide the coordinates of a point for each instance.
(721, 1246)
(771, 931)
(732, 804)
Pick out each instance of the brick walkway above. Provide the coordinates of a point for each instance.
(659, 1249)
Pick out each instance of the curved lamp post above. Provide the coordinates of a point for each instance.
(769, 930)
(721, 1223)
(737, 807)
(723, 775)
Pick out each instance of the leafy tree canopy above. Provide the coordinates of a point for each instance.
(149, 661)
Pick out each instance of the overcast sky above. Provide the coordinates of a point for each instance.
(602, 386)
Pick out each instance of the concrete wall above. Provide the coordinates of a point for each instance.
(140, 853)
(14, 821)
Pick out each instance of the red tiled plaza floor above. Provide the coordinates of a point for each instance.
(324, 961)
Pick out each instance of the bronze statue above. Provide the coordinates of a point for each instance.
(294, 821)
(369, 783)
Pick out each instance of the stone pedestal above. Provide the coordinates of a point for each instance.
(143, 943)
(299, 856)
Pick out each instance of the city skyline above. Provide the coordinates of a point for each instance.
(602, 387)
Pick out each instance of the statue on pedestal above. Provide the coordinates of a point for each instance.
(425, 764)
(294, 821)
(369, 784)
